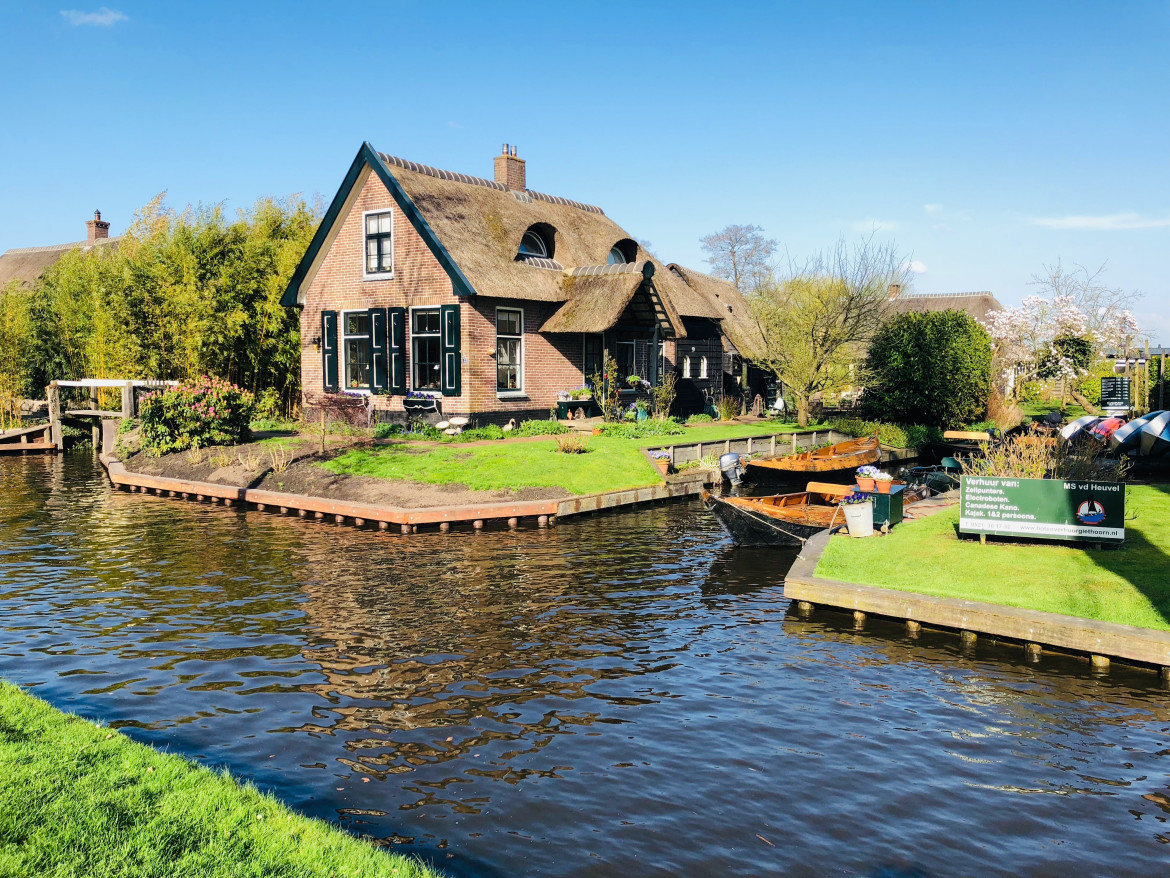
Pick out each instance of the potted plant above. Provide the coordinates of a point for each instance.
(882, 482)
(858, 508)
(661, 461)
(581, 393)
(866, 477)
(417, 401)
(634, 380)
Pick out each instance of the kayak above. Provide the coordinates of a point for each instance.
(1155, 436)
(1129, 437)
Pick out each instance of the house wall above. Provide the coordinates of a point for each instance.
(551, 363)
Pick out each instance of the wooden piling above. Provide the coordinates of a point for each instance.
(53, 394)
(968, 638)
(406, 528)
(1099, 663)
(513, 523)
(913, 629)
(477, 524)
(444, 527)
(1033, 651)
(858, 620)
(542, 521)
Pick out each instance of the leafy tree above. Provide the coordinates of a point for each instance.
(931, 368)
(813, 324)
(741, 255)
(14, 332)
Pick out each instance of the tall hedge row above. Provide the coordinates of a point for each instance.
(931, 368)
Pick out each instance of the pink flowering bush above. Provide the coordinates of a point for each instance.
(195, 414)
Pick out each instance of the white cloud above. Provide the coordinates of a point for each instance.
(875, 225)
(454, 125)
(103, 17)
(1104, 223)
(915, 267)
(932, 209)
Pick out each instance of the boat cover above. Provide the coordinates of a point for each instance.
(1128, 437)
(1106, 428)
(1075, 428)
(1155, 441)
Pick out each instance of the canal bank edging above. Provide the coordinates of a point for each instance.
(542, 513)
(768, 446)
(1100, 641)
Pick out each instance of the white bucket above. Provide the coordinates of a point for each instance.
(859, 518)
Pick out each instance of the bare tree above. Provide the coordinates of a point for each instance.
(1106, 309)
(813, 323)
(740, 254)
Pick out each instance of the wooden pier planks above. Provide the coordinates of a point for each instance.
(24, 439)
(1141, 645)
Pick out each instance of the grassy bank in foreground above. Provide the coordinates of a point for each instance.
(1128, 585)
(78, 799)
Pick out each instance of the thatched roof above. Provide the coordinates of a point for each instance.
(601, 295)
(26, 264)
(978, 305)
(725, 303)
(474, 227)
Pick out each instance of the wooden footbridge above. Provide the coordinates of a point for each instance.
(50, 437)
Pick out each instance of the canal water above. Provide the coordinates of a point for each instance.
(620, 695)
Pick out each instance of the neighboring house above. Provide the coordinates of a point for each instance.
(25, 265)
(978, 305)
(492, 298)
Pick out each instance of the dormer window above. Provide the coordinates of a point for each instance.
(533, 245)
(622, 252)
(379, 227)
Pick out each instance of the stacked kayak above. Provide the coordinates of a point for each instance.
(1079, 428)
(1148, 436)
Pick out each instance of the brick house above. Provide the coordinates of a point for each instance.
(485, 299)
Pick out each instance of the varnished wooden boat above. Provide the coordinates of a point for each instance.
(782, 519)
(842, 457)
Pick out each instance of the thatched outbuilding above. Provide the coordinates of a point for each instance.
(426, 288)
(25, 265)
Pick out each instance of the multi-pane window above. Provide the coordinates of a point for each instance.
(355, 347)
(624, 355)
(426, 349)
(379, 242)
(703, 366)
(686, 364)
(509, 349)
(592, 361)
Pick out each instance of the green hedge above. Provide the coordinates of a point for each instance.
(896, 435)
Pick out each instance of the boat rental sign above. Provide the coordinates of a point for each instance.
(1046, 508)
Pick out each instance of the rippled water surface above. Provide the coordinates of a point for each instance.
(624, 694)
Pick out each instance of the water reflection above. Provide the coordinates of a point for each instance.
(619, 694)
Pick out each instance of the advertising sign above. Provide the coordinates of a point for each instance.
(1115, 392)
(1054, 509)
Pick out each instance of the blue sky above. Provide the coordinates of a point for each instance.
(987, 139)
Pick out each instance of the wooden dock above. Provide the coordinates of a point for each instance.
(23, 440)
(129, 392)
(1033, 629)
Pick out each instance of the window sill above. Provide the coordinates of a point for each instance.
(382, 275)
(357, 391)
(511, 394)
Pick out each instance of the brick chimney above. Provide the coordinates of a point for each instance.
(895, 291)
(96, 228)
(510, 170)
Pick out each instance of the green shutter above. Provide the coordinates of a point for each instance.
(377, 350)
(329, 350)
(452, 351)
(396, 351)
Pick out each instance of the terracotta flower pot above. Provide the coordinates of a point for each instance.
(663, 466)
(596, 431)
(865, 485)
(883, 486)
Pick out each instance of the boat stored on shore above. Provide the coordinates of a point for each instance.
(781, 519)
(842, 457)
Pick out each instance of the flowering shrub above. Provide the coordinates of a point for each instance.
(855, 497)
(195, 414)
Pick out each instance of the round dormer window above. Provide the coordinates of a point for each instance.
(616, 257)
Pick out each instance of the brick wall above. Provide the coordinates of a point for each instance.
(550, 363)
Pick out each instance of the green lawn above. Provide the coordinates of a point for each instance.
(609, 465)
(717, 432)
(1129, 585)
(1072, 411)
(81, 800)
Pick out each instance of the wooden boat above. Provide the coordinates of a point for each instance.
(782, 519)
(962, 443)
(843, 456)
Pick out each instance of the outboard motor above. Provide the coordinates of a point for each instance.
(731, 465)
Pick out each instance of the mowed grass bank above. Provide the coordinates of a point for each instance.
(1129, 585)
(608, 465)
(80, 800)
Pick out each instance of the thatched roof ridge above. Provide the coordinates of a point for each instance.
(643, 267)
(540, 262)
(977, 304)
(26, 264)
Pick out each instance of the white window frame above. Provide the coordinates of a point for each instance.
(344, 353)
(519, 392)
(686, 364)
(703, 366)
(409, 364)
(377, 275)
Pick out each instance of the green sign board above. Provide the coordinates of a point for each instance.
(1049, 508)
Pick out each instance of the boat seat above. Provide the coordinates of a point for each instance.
(949, 463)
(829, 488)
(967, 434)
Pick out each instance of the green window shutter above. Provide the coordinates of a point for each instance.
(377, 350)
(329, 350)
(396, 351)
(452, 352)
